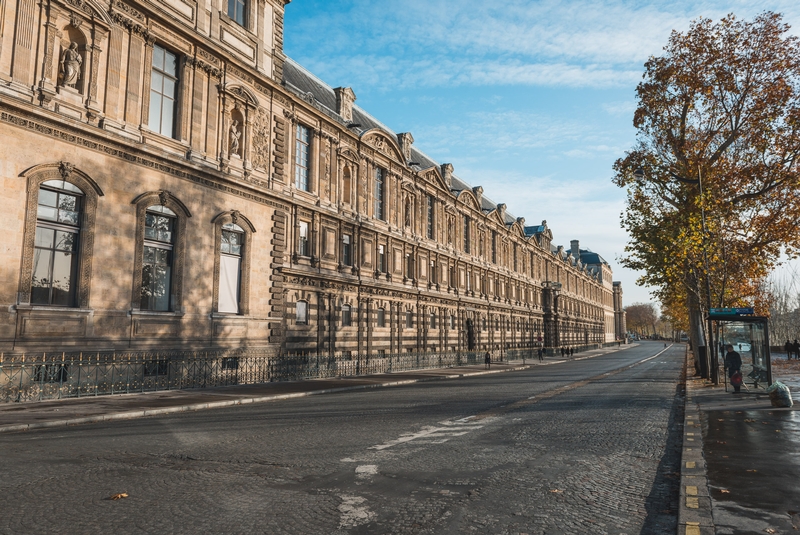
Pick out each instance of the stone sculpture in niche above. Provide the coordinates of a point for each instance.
(71, 64)
(235, 134)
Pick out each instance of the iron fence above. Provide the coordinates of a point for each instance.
(45, 376)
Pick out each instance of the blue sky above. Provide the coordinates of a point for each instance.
(533, 100)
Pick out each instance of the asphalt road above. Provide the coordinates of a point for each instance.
(585, 447)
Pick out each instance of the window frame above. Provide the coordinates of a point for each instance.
(239, 219)
(347, 315)
(162, 245)
(379, 182)
(176, 79)
(302, 158)
(303, 242)
(297, 318)
(380, 317)
(58, 226)
(92, 192)
(430, 218)
(347, 250)
(142, 202)
(245, 5)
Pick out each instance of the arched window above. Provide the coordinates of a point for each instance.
(157, 261)
(347, 319)
(347, 185)
(409, 320)
(230, 268)
(58, 239)
(160, 252)
(55, 259)
(380, 320)
(433, 320)
(232, 264)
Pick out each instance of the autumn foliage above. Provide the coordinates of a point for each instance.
(718, 140)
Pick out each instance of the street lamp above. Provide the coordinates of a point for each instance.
(638, 175)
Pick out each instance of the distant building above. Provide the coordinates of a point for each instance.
(172, 180)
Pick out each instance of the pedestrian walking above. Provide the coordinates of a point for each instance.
(788, 347)
(796, 349)
(733, 364)
(487, 360)
(562, 352)
(541, 355)
(571, 352)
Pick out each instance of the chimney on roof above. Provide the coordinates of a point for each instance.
(575, 248)
(447, 174)
(478, 191)
(344, 103)
(405, 140)
(501, 209)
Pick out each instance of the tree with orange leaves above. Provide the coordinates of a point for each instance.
(713, 180)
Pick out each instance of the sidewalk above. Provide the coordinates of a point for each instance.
(73, 411)
(738, 473)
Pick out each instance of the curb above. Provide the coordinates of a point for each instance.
(129, 415)
(694, 509)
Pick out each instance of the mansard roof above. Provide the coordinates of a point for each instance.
(322, 96)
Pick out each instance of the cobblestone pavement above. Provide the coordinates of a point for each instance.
(580, 447)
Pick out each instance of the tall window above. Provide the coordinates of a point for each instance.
(430, 217)
(163, 91)
(433, 320)
(379, 193)
(302, 239)
(347, 318)
(347, 250)
(381, 259)
(55, 257)
(302, 158)
(409, 266)
(347, 185)
(469, 281)
(159, 240)
(230, 268)
(452, 322)
(434, 275)
(409, 320)
(466, 234)
(237, 10)
(301, 314)
(380, 320)
(494, 247)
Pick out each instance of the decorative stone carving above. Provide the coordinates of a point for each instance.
(234, 134)
(406, 140)
(260, 150)
(344, 102)
(71, 64)
(447, 174)
(65, 169)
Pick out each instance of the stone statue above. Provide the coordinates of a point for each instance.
(71, 62)
(235, 134)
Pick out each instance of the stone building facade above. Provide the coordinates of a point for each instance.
(172, 180)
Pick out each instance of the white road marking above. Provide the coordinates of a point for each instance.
(366, 471)
(354, 512)
(435, 435)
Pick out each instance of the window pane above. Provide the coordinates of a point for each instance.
(229, 268)
(65, 241)
(167, 116)
(68, 216)
(63, 266)
(157, 82)
(40, 283)
(170, 63)
(169, 87)
(46, 212)
(154, 121)
(158, 57)
(45, 237)
(48, 198)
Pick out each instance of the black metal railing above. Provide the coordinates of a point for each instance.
(45, 376)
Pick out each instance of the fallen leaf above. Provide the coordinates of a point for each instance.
(724, 491)
(721, 420)
(752, 470)
(118, 496)
(555, 490)
(770, 530)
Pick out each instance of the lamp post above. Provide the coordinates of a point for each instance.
(551, 338)
(712, 358)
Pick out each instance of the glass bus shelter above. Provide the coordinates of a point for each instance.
(749, 336)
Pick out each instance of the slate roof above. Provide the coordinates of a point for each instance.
(301, 81)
